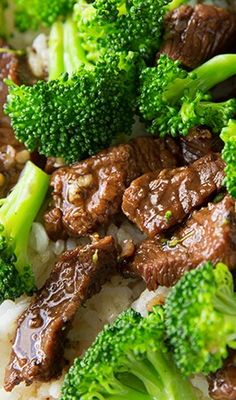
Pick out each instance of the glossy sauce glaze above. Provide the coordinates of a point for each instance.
(222, 384)
(208, 234)
(37, 351)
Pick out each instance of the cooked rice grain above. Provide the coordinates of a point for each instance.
(115, 296)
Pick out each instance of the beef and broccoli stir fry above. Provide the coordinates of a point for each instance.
(133, 121)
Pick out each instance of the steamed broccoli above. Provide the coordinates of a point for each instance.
(172, 100)
(128, 361)
(30, 14)
(11, 284)
(17, 213)
(228, 135)
(200, 316)
(65, 51)
(140, 20)
(73, 117)
(121, 25)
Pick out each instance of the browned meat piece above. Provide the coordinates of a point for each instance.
(194, 35)
(90, 192)
(210, 234)
(151, 154)
(52, 164)
(25, 73)
(37, 352)
(222, 384)
(198, 143)
(53, 221)
(8, 69)
(230, 5)
(12, 153)
(11, 164)
(225, 90)
(159, 200)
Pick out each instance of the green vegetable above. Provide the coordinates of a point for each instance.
(94, 64)
(3, 25)
(99, 13)
(11, 285)
(200, 314)
(168, 215)
(228, 135)
(74, 117)
(17, 213)
(128, 361)
(121, 25)
(65, 51)
(31, 14)
(172, 100)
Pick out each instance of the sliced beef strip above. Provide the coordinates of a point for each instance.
(209, 234)
(11, 164)
(25, 73)
(225, 90)
(12, 154)
(226, 4)
(198, 143)
(159, 200)
(37, 352)
(151, 154)
(90, 192)
(9, 65)
(195, 34)
(52, 164)
(222, 384)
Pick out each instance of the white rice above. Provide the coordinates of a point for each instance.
(38, 56)
(103, 308)
(115, 296)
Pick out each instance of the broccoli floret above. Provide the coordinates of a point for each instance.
(74, 117)
(11, 285)
(228, 135)
(17, 213)
(172, 101)
(120, 25)
(200, 314)
(129, 361)
(30, 14)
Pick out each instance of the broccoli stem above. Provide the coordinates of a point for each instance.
(209, 74)
(229, 132)
(225, 304)
(130, 394)
(228, 135)
(150, 379)
(160, 377)
(56, 51)
(74, 55)
(214, 71)
(225, 301)
(2, 22)
(118, 390)
(171, 378)
(214, 115)
(175, 4)
(20, 209)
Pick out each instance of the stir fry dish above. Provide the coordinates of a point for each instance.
(117, 200)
